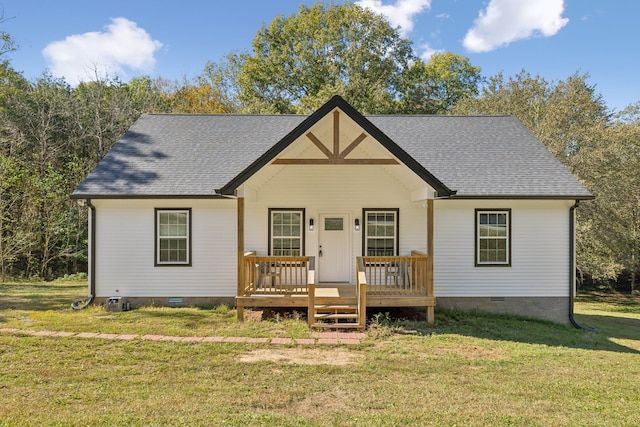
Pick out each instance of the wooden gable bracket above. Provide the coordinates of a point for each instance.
(334, 156)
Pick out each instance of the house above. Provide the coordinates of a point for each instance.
(334, 212)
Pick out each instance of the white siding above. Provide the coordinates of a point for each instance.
(125, 236)
(334, 189)
(125, 250)
(539, 245)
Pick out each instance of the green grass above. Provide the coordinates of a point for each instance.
(48, 307)
(468, 369)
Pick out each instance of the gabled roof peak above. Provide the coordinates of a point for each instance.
(337, 102)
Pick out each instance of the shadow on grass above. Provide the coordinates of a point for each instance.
(524, 330)
(40, 296)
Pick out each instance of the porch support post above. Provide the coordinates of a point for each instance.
(431, 308)
(240, 239)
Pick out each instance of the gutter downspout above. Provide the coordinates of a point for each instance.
(572, 266)
(79, 305)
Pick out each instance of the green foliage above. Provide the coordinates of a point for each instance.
(612, 221)
(51, 136)
(565, 116)
(74, 277)
(381, 319)
(196, 98)
(221, 309)
(298, 62)
(437, 86)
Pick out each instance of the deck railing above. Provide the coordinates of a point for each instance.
(272, 275)
(361, 291)
(397, 275)
(382, 275)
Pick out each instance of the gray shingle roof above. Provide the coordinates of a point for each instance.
(193, 155)
(482, 156)
(190, 155)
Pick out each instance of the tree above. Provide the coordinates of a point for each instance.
(51, 135)
(196, 96)
(223, 76)
(7, 43)
(435, 87)
(564, 115)
(298, 62)
(611, 168)
(146, 95)
(102, 112)
(15, 237)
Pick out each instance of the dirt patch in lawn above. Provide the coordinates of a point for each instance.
(301, 356)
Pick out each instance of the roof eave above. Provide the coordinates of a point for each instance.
(81, 196)
(520, 196)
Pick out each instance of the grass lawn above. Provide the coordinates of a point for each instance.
(467, 369)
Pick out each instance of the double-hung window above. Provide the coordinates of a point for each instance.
(173, 237)
(493, 237)
(380, 237)
(286, 232)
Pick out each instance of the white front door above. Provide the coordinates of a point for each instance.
(334, 251)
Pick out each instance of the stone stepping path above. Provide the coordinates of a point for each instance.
(317, 338)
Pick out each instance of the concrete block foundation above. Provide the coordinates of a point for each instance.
(136, 302)
(555, 309)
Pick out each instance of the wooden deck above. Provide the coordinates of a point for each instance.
(339, 293)
(381, 282)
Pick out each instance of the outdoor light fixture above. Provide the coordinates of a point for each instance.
(310, 224)
(357, 224)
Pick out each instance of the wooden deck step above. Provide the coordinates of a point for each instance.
(337, 326)
(336, 313)
(337, 316)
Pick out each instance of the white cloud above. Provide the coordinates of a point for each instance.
(428, 52)
(504, 21)
(122, 46)
(401, 14)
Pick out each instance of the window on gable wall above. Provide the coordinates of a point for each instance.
(173, 237)
(493, 237)
(286, 232)
(380, 237)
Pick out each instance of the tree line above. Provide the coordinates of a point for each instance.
(53, 134)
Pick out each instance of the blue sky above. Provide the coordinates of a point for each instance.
(552, 38)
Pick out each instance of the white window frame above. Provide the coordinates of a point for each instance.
(366, 237)
(181, 232)
(273, 236)
(484, 235)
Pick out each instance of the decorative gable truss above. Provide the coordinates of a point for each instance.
(332, 153)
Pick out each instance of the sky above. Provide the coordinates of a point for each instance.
(174, 39)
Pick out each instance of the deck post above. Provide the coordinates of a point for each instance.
(240, 238)
(311, 305)
(431, 308)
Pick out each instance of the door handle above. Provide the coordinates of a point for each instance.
(320, 251)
